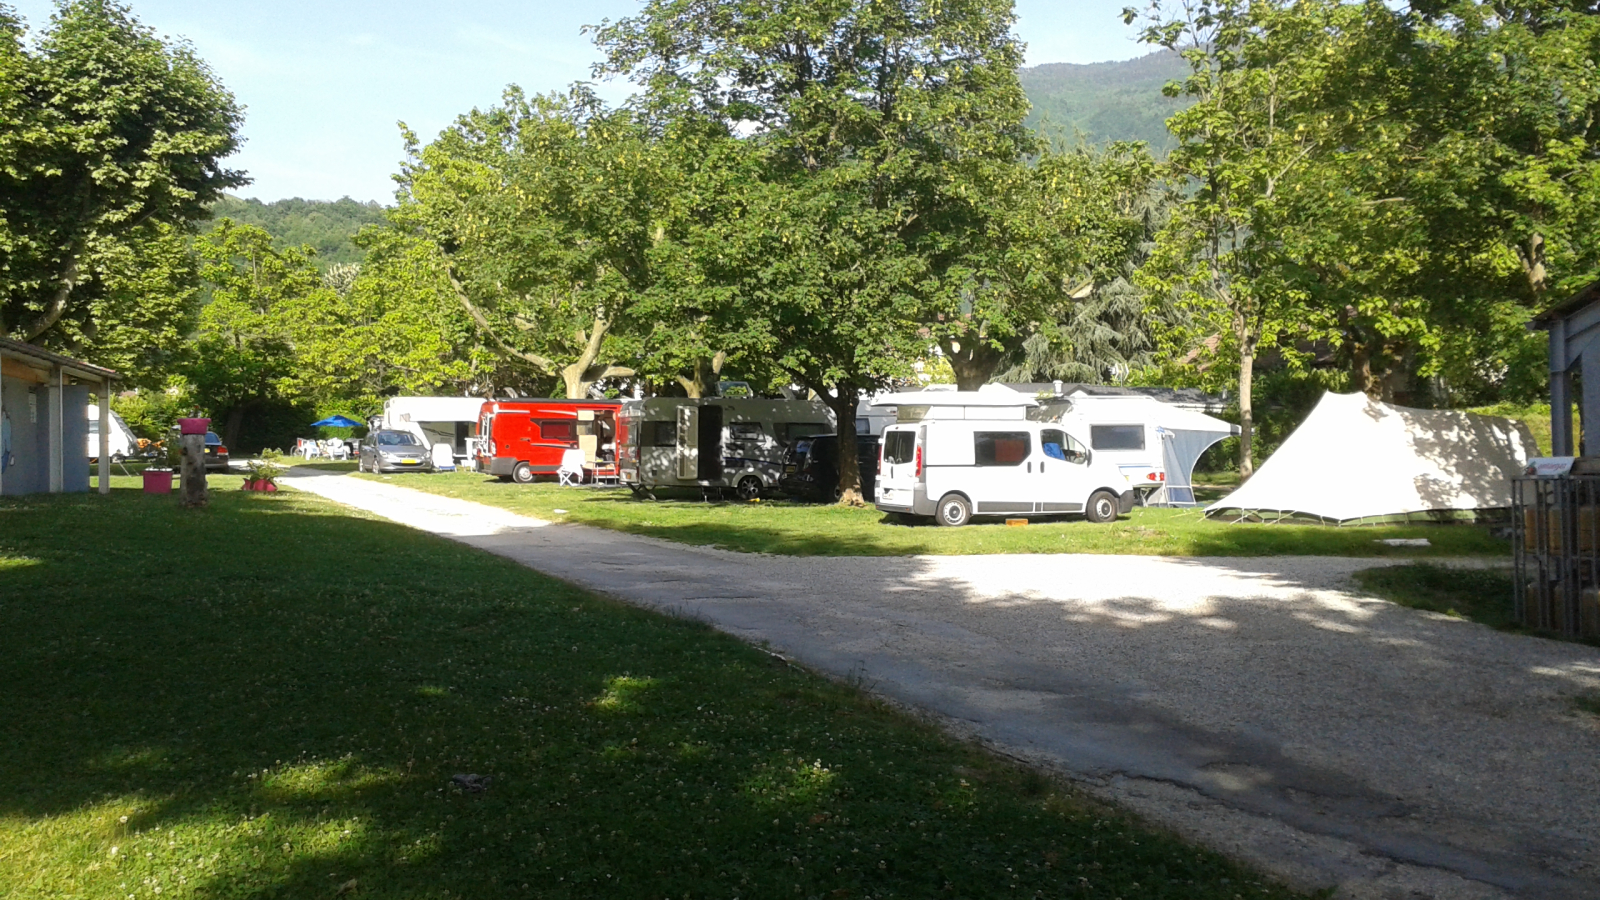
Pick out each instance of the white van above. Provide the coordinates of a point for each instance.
(119, 436)
(954, 469)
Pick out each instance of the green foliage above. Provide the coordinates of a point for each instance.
(110, 147)
(152, 414)
(282, 714)
(243, 359)
(328, 227)
(1107, 101)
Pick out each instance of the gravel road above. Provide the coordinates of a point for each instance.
(1260, 706)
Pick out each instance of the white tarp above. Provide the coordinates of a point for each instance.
(1355, 458)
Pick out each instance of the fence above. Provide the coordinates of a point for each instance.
(1555, 534)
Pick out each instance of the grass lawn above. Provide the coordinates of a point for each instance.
(269, 698)
(1482, 595)
(800, 529)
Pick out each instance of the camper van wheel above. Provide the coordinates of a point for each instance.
(954, 510)
(1102, 507)
(749, 488)
(522, 474)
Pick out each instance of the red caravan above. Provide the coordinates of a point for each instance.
(524, 438)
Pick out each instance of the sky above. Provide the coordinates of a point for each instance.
(324, 83)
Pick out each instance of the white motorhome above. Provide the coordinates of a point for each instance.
(1154, 445)
(120, 437)
(714, 442)
(956, 454)
(436, 420)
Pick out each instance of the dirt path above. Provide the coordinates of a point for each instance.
(1260, 706)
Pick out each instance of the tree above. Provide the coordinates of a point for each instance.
(1249, 134)
(112, 142)
(243, 360)
(1045, 270)
(873, 122)
(541, 211)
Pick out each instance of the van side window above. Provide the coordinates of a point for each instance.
(1116, 437)
(1058, 444)
(899, 447)
(558, 431)
(660, 434)
(1001, 448)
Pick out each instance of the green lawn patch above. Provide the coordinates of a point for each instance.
(1482, 595)
(1485, 596)
(804, 529)
(270, 698)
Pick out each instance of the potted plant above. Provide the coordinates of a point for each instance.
(262, 474)
(165, 460)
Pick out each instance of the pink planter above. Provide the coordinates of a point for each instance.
(193, 426)
(157, 482)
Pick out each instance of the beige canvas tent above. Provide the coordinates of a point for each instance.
(1355, 458)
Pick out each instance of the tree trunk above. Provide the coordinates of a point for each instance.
(1247, 364)
(235, 423)
(707, 371)
(844, 406)
(973, 360)
(581, 375)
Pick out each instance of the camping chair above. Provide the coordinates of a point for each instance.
(571, 470)
(337, 449)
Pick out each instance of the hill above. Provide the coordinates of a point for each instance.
(1106, 101)
(327, 225)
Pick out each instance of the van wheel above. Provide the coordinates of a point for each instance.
(749, 488)
(522, 474)
(954, 511)
(1102, 507)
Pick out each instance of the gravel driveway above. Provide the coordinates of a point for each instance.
(1260, 706)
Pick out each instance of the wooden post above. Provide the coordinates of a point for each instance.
(194, 470)
(105, 436)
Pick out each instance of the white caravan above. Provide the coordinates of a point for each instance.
(955, 455)
(121, 439)
(452, 421)
(714, 442)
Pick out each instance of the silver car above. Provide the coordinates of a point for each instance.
(393, 451)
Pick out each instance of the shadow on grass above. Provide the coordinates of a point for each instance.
(268, 698)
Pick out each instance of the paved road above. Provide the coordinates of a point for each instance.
(1259, 706)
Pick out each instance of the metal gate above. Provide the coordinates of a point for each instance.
(1555, 535)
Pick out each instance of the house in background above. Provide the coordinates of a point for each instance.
(42, 426)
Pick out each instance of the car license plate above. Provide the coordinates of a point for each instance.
(788, 470)
(409, 462)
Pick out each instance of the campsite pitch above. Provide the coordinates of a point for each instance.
(801, 529)
(277, 697)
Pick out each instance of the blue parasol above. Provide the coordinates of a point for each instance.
(336, 422)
